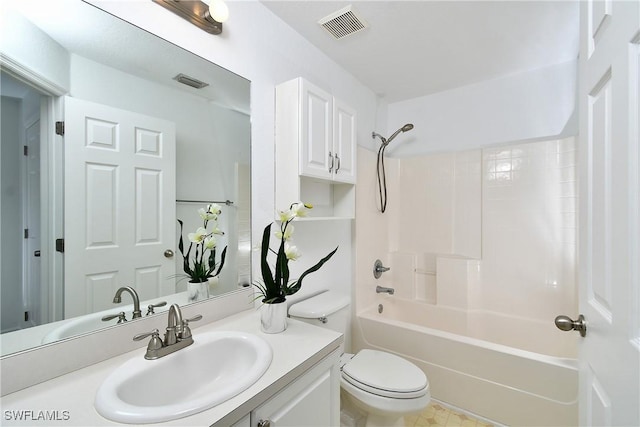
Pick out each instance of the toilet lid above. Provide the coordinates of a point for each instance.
(385, 374)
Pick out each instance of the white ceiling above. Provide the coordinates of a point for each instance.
(415, 48)
(87, 31)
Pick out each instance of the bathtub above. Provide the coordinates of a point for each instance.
(525, 377)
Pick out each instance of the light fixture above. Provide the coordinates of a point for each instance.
(208, 15)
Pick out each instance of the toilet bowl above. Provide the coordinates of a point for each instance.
(382, 386)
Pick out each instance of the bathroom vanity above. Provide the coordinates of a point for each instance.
(300, 387)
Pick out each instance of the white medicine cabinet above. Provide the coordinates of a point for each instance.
(315, 150)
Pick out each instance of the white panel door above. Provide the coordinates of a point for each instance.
(316, 127)
(608, 182)
(119, 205)
(344, 142)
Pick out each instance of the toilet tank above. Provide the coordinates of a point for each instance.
(329, 310)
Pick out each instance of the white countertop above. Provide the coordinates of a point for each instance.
(294, 351)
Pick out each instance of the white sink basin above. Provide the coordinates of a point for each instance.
(77, 326)
(216, 367)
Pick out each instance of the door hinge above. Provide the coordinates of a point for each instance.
(60, 245)
(60, 128)
(25, 150)
(26, 233)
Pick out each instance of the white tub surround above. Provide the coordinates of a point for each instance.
(498, 381)
(295, 352)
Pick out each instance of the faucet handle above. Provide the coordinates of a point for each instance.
(143, 335)
(155, 343)
(186, 331)
(378, 269)
(193, 319)
(121, 317)
(151, 307)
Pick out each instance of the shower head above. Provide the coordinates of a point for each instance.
(386, 141)
(404, 128)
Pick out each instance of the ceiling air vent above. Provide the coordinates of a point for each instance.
(190, 81)
(343, 23)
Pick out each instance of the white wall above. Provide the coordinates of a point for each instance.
(44, 57)
(530, 105)
(260, 47)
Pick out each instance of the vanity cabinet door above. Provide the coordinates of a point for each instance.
(311, 400)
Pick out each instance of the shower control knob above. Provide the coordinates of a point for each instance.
(565, 323)
(378, 269)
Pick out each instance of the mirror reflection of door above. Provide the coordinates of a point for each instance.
(32, 210)
(119, 205)
(22, 299)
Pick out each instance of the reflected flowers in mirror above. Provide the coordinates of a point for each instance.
(199, 260)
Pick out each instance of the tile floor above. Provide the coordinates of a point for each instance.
(438, 415)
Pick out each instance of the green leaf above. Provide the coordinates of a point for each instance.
(212, 259)
(180, 244)
(222, 258)
(295, 286)
(267, 276)
(281, 264)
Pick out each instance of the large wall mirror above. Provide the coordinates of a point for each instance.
(96, 208)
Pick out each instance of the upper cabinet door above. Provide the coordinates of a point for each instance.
(316, 132)
(344, 142)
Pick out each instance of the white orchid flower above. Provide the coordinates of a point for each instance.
(210, 242)
(291, 252)
(214, 208)
(287, 215)
(288, 232)
(217, 230)
(207, 215)
(301, 209)
(198, 236)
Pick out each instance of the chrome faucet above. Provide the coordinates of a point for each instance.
(136, 300)
(383, 290)
(174, 325)
(177, 335)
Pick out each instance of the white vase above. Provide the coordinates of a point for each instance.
(273, 317)
(213, 285)
(197, 291)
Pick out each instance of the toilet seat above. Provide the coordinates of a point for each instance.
(385, 374)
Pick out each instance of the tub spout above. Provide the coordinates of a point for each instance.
(382, 290)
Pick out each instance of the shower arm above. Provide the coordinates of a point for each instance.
(382, 138)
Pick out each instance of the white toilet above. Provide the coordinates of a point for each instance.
(381, 385)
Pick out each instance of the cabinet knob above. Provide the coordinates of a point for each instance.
(338, 159)
(264, 423)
